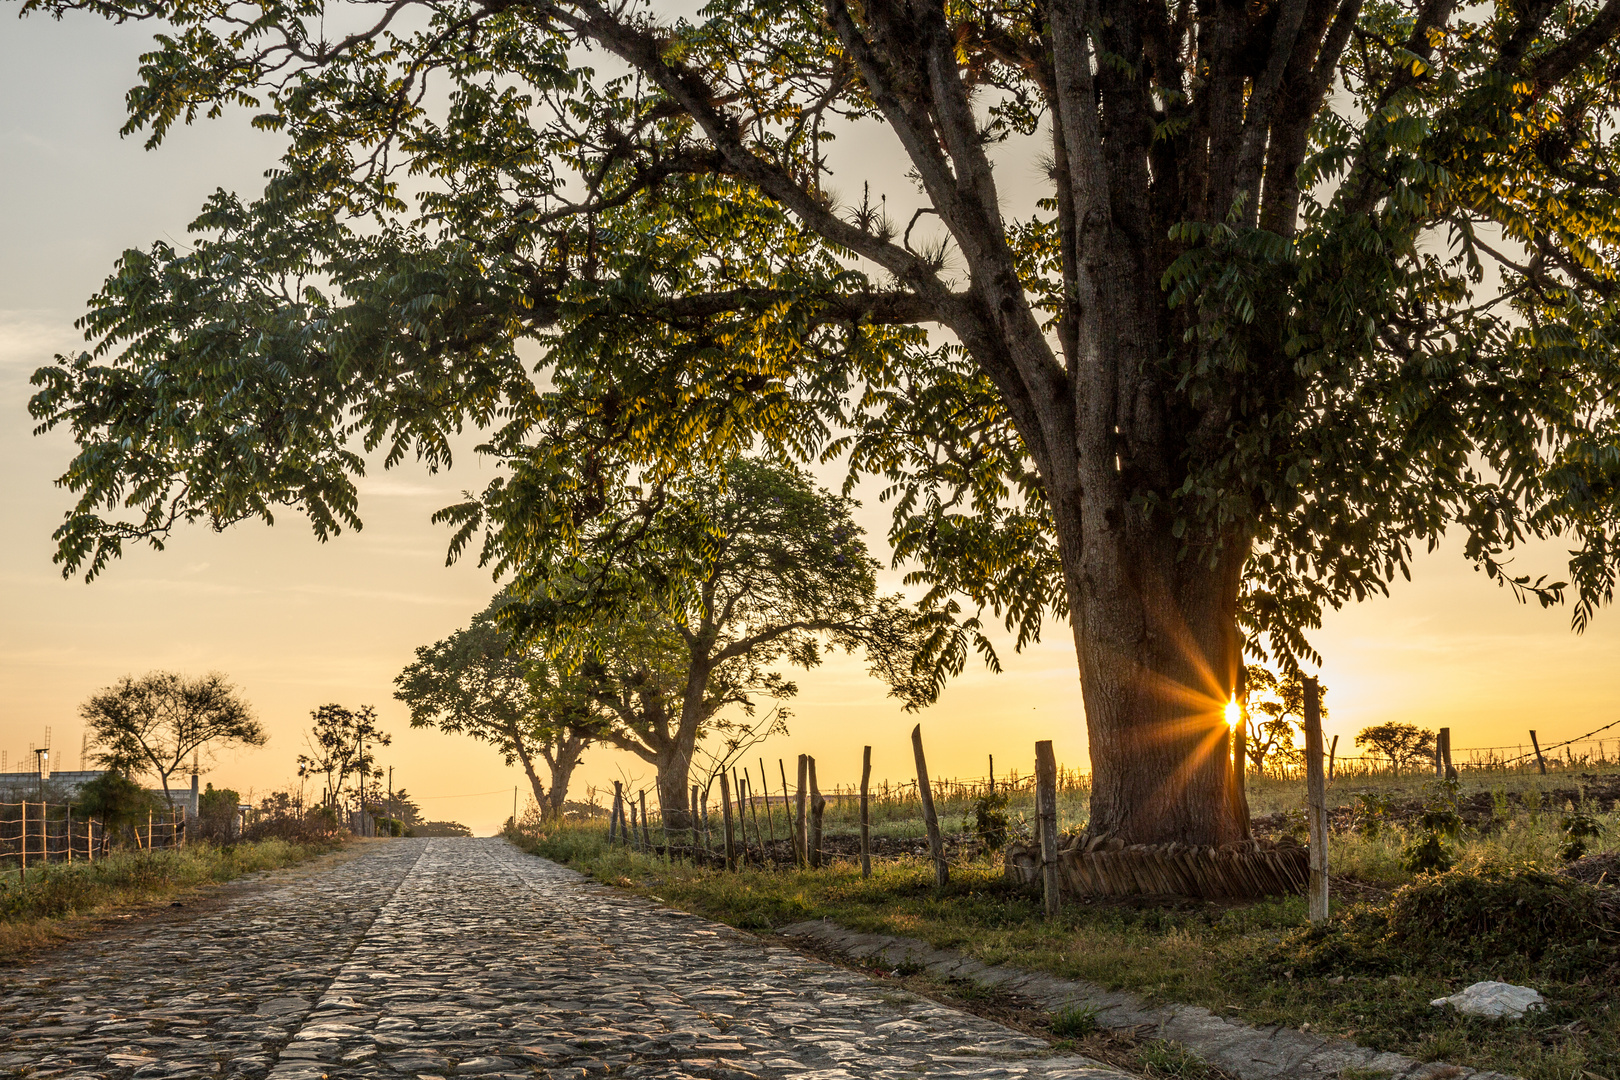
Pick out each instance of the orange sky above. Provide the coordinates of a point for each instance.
(297, 624)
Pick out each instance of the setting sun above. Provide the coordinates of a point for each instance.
(1234, 713)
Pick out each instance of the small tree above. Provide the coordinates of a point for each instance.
(1401, 744)
(116, 800)
(154, 723)
(341, 743)
(1275, 712)
(217, 812)
(477, 682)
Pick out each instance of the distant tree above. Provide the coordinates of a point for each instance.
(440, 828)
(1275, 712)
(341, 744)
(479, 682)
(154, 723)
(1401, 744)
(684, 598)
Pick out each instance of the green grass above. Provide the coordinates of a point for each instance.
(50, 904)
(1202, 954)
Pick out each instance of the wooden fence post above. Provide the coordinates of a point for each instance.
(936, 844)
(753, 812)
(866, 813)
(613, 813)
(801, 835)
(725, 809)
(765, 789)
(1333, 749)
(1316, 802)
(1046, 824)
(692, 815)
(1536, 746)
(818, 806)
(1445, 754)
(646, 833)
(22, 868)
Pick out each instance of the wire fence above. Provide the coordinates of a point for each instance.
(32, 833)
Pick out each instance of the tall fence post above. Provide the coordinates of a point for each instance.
(615, 814)
(1046, 823)
(646, 832)
(936, 844)
(725, 810)
(866, 813)
(1316, 802)
(22, 869)
(1333, 749)
(1447, 770)
(801, 825)
(818, 806)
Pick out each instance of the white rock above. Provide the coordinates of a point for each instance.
(1493, 999)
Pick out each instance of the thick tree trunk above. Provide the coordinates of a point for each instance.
(1157, 644)
(673, 790)
(563, 761)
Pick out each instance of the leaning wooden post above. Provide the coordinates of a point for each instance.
(936, 844)
(818, 805)
(615, 814)
(725, 809)
(1333, 749)
(692, 815)
(765, 790)
(801, 851)
(1046, 823)
(646, 833)
(1316, 802)
(866, 813)
(753, 812)
(1536, 746)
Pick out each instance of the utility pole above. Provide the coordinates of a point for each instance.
(391, 792)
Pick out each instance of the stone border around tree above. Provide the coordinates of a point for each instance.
(1246, 1051)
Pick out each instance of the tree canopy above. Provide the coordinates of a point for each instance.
(342, 743)
(686, 598)
(1308, 284)
(153, 724)
(479, 682)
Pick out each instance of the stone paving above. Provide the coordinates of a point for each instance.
(456, 957)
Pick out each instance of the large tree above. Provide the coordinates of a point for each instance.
(479, 682)
(1309, 283)
(156, 723)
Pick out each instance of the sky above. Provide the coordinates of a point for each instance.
(296, 623)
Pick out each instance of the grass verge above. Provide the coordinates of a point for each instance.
(1228, 958)
(59, 902)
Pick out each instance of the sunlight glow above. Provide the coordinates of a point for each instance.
(1234, 713)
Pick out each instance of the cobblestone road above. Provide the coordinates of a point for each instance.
(441, 958)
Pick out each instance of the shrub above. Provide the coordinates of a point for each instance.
(990, 819)
(1075, 1022)
(1439, 823)
(1577, 827)
(309, 829)
(1508, 918)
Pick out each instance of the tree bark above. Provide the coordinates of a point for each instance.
(1157, 644)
